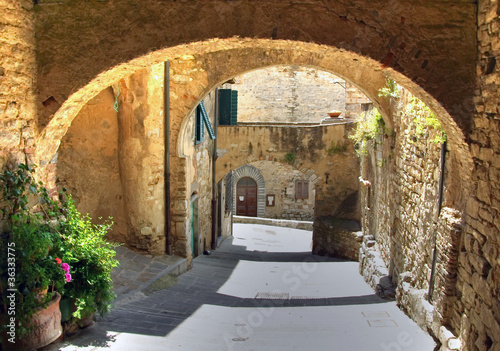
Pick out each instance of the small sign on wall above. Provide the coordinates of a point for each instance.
(270, 200)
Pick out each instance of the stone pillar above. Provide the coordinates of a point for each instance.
(17, 77)
(141, 147)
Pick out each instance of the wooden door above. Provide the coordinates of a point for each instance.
(246, 197)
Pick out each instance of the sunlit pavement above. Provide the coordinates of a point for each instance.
(262, 290)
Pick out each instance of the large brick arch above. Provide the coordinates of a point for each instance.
(425, 41)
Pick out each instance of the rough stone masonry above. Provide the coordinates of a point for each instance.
(57, 56)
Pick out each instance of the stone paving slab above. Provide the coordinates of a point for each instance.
(194, 315)
(137, 271)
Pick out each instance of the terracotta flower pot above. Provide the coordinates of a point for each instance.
(47, 328)
(334, 114)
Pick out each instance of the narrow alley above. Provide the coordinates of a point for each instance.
(261, 290)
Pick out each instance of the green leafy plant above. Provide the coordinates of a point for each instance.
(368, 127)
(424, 121)
(382, 162)
(290, 158)
(337, 148)
(91, 257)
(391, 89)
(53, 246)
(27, 264)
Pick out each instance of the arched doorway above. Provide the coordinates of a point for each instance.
(246, 197)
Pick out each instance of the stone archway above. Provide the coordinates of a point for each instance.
(200, 67)
(433, 44)
(253, 173)
(117, 37)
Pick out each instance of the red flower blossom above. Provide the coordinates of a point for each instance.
(58, 261)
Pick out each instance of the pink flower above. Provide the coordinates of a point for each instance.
(68, 277)
(65, 267)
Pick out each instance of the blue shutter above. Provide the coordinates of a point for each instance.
(199, 131)
(206, 120)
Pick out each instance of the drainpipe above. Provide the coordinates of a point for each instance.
(440, 205)
(166, 161)
(214, 180)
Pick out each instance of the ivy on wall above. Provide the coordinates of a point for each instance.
(425, 124)
(369, 126)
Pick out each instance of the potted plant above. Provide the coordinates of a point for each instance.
(92, 258)
(30, 275)
(55, 251)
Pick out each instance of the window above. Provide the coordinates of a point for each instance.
(228, 107)
(302, 189)
(201, 122)
(366, 107)
(199, 130)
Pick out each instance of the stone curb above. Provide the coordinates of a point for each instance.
(176, 269)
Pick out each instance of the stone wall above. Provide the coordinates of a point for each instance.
(355, 101)
(79, 40)
(288, 94)
(400, 179)
(475, 313)
(337, 237)
(280, 181)
(304, 225)
(332, 173)
(141, 150)
(17, 82)
(111, 161)
(225, 219)
(200, 174)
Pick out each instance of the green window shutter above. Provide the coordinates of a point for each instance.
(225, 107)
(199, 129)
(234, 107)
(206, 120)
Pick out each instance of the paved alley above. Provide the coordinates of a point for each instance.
(261, 290)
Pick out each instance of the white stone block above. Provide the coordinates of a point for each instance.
(454, 344)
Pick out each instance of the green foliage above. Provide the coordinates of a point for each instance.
(91, 258)
(290, 158)
(27, 264)
(368, 128)
(337, 148)
(16, 186)
(391, 89)
(39, 230)
(382, 162)
(424, 121)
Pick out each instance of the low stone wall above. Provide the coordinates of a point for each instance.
(337, 237)
(304, 225)
(373, 269)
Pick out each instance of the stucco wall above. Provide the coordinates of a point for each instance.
(334, 175)
(88, 164)
(200, 173)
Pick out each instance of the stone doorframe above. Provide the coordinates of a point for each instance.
(254, 173)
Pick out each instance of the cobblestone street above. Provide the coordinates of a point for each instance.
(261, 290)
